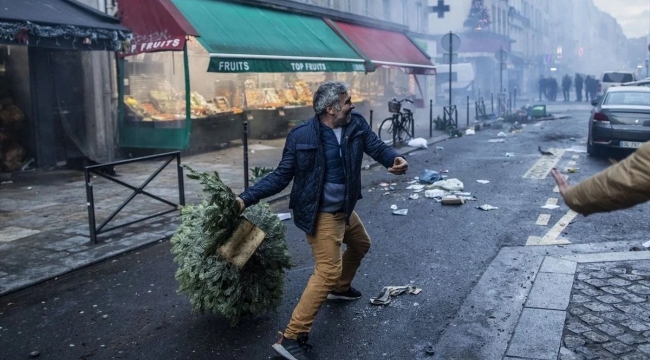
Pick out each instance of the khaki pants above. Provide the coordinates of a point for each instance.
(332, 271)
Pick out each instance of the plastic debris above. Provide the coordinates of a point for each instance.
(510, 154)
(483, 181)
(646, 244)
(487, 207)
(402, 212)
(383, 184)
(418, 190)
(450, 185)
(6, 182)
(550, 206)
(284, 216)
(502, 134)
(544, 152)
(496, 141)
(418, 143)
(384, 297)
(434, 193)
(572, 170)
(452, 200)
(470, 131)
(415, 187)
(429, 176)
(414, 196)
(393, 207)
(439, 148)
(444, 171)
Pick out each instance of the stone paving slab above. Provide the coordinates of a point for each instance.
(473, 335)
(538, 334)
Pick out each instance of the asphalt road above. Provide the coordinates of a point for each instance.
(128, 308)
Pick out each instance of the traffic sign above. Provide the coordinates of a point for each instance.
(450, 42)
(501, 55)
(446, 56)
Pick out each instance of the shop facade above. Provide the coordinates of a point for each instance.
(243, 61)
(49, 113)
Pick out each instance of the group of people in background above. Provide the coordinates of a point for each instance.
(548, 87)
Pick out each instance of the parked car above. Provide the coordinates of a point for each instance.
(620, 119)
(642, 82)
(614, 78)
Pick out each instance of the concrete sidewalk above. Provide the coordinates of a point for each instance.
(44, 230)
(587, 301)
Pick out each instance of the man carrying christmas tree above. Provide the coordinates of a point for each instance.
(323, 157)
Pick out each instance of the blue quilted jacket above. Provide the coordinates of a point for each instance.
(303, 161)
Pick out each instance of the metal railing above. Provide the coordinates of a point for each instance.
(97, 170)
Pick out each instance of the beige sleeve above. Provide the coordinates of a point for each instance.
(620, 186)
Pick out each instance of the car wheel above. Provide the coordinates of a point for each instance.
(593, 150)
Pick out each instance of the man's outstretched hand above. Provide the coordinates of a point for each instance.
(561, 181)
(399, 166)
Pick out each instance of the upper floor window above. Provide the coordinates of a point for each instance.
(387, 10)
(418, 17)
(405, 14)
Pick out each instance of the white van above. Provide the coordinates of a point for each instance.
(615, 78)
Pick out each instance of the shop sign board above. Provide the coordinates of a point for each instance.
(230, 65)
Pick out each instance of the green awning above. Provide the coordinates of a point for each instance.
(243, 38)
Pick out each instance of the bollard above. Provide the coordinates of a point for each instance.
(371, 129)
(430, 118)
(467, 110)
(492, 102)
(245, 141)
(514, 100)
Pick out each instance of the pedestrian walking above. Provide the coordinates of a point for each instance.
(588, 84)
(620, 186)
(579, 82)
(566, 87)
(541, 83)
(323, 157)
(552, 88)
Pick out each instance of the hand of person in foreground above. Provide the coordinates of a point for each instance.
(561, 181)
(399, 166)
(242, 206)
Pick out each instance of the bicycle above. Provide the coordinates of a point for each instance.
(400, 126)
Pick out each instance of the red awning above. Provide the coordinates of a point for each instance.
(386, 48)
(156, 24)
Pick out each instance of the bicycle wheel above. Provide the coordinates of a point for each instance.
(408, 128)
(385, 131)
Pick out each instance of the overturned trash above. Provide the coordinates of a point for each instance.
(384, 298)
(418, 143)
(429, 176)
(487, 207)
(284, 216)
(450, 185)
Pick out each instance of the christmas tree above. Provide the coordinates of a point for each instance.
(211, 282)
(479, 16)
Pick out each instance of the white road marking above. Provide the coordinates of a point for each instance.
(553, 234)
(543, 219)
(556, 189)
(571, 163)
(551, 201)
(544, 165)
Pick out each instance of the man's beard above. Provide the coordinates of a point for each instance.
(343, 121)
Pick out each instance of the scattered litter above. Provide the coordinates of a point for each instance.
(367, 167)
(402, 212)
(415, 187)
(543, 152)
(6, 182)
(384, 297)
(29, 188)
(284, 216)
(550, 206)
(444, 171)
(450, 185)
(418, 190)
(439, 148)
(386, 193)
(502, 134)
(496, 140)
(452, 200)
(487, 207)
(393, 207)
(418, 143)
(34, 354)
(483, 181)
(516, 127)
(429, 176)
(646, 244)
(510, 154)
(429, 350)
(572, 170)
(383, 184)
(434, 193)
(414, 196)
(470, 131)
